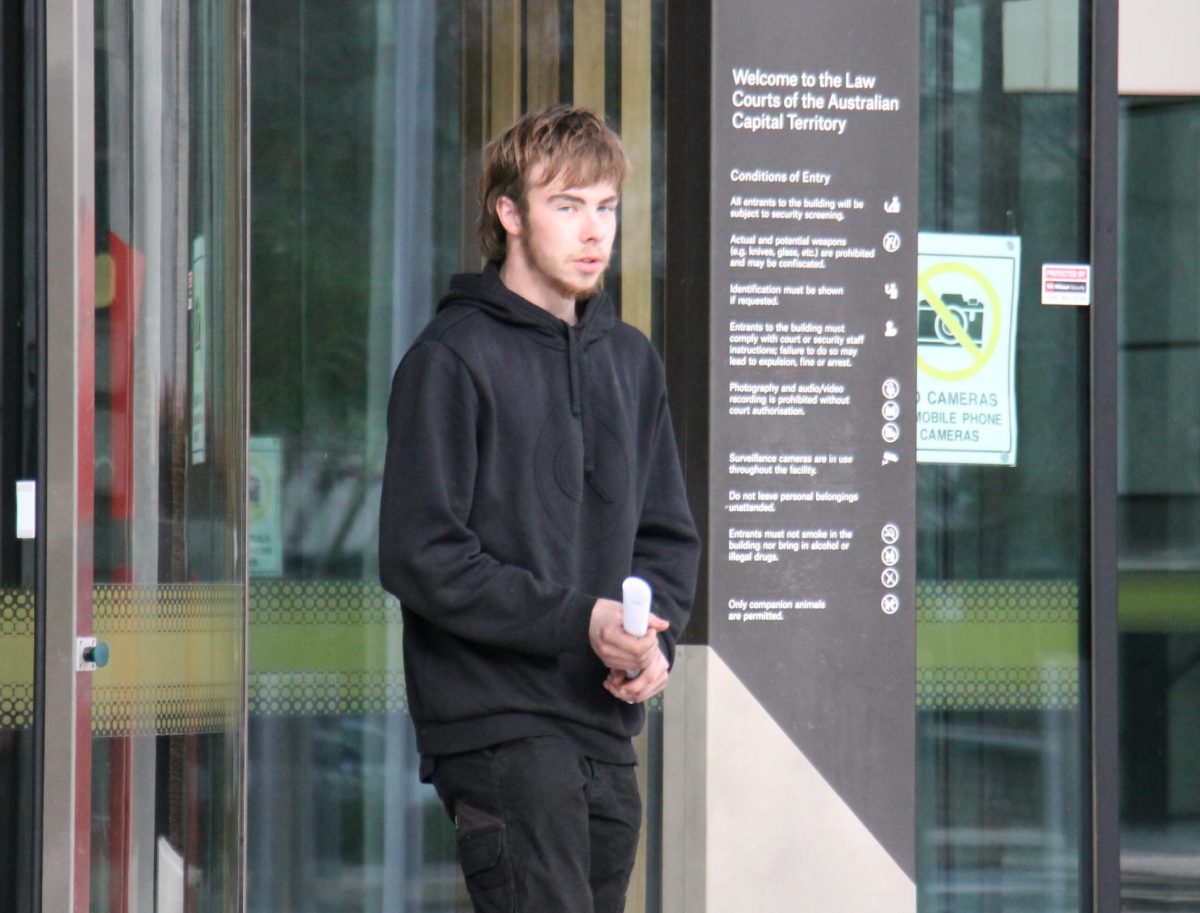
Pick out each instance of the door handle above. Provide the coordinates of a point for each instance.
(90, 654)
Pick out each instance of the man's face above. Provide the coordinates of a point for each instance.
(566, 235)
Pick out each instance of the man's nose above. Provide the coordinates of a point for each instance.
(589, 227)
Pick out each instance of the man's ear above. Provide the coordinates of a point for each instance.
(509, 215)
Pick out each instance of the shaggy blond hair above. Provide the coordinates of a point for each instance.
(567, 142)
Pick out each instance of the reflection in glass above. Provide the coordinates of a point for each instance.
(19, 432)
(1002, 553)
(1159, 543)
(369, 119)
(356, 205)
(169, 467)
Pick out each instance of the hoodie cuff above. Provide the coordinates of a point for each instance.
(575, 622)
(668, 649)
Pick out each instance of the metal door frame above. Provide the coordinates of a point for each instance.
(65, 571)
(66, 112)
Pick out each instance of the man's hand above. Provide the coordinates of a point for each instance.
(650, 680)
(619, 650)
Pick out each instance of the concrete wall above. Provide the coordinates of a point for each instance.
(1159, 51)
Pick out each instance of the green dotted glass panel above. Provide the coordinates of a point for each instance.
(997, 644)
(334, 647)
(16, 658)
(324, 647)
(176, 659)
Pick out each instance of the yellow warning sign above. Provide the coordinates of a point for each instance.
(967, 288)
(954, 318)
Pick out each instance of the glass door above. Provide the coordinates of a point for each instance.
(19, 468)
(168, 590)
(147, 413)
(1003, 596)
(1160, 503)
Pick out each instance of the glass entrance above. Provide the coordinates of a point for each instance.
(1003, 565)
(147, 432)
(1160, 504)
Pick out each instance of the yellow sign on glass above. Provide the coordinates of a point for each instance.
(967, 291)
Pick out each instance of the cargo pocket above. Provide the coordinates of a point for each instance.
(484, 862)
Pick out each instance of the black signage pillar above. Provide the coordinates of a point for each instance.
(810, 657)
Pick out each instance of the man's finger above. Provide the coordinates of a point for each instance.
(658, 624)
(651, 680)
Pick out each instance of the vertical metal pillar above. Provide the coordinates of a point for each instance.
(1105, 835)
(69, 402)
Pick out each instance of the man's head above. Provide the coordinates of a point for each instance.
(563, 144)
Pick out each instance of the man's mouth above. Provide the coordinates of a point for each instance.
(590, 264)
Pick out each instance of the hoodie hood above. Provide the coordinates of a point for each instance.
(489, 294)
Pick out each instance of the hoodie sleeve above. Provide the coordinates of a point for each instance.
(667, 549)
(428, 557)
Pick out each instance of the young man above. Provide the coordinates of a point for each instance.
(531, 467)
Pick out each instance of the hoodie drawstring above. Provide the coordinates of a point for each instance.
(579, 392)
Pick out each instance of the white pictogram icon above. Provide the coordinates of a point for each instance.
(890, 577)
(891, 432)
(890, 329)
(890, 555)
(890, 533)
(892, 290)
(892, 205)
(891, 388)
(890, 603)
(889, 457)
(891, 242)
(891, 410)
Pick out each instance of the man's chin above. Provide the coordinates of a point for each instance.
(580, 291)
(583, 294)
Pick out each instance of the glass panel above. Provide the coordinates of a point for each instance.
(1160, 504)
(369, 119)
(19, 434)
(169, 455)
(1002, 557)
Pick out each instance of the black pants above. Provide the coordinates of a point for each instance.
(541, 829)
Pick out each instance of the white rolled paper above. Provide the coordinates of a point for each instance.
(635, 593)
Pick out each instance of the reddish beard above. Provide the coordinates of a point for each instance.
(563, 286)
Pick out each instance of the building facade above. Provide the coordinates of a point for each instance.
(223, 223)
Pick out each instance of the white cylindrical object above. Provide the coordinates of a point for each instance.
(636, 594)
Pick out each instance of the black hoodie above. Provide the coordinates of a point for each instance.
(531, 467)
